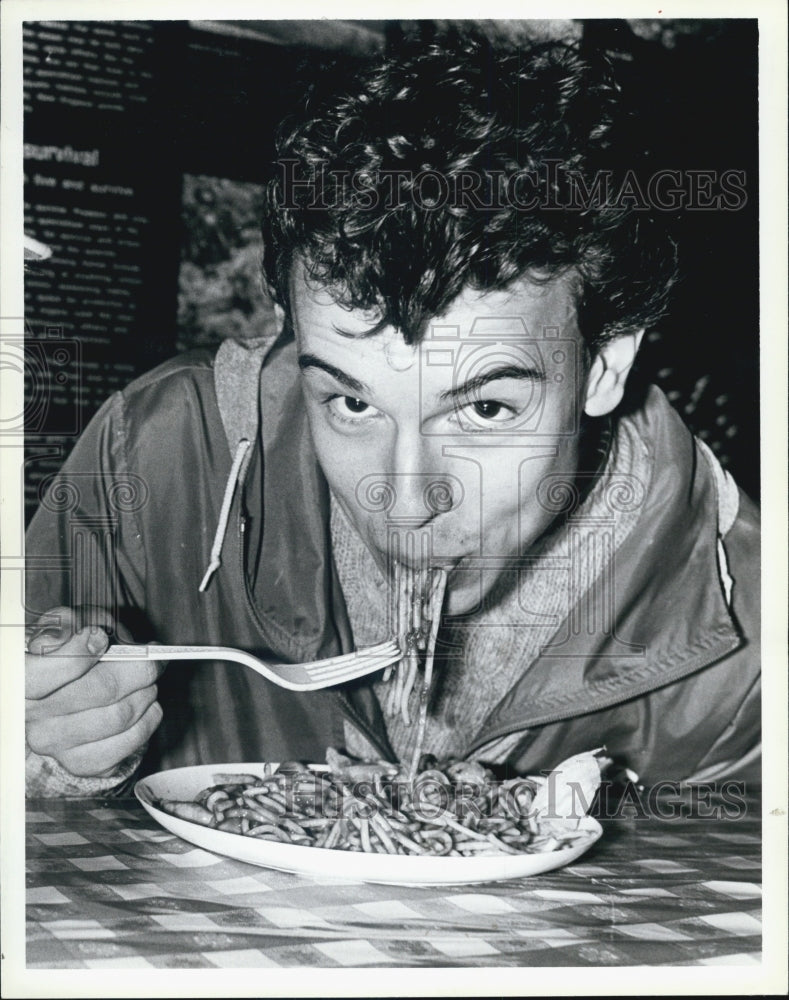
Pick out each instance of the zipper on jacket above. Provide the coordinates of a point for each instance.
(373, 738)
(242, 561)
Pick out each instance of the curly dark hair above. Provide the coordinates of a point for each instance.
(457, 164)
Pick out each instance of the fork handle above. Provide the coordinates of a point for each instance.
(156, 652)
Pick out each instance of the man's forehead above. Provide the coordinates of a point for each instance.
(530, 307)
(310, 296)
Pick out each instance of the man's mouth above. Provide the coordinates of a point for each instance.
(431, 562)
(390, 562)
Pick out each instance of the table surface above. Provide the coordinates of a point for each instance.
(109, 888)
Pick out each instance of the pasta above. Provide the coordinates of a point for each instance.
(419, 596)
(454, 809)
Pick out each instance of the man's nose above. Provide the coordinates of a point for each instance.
(420, 484)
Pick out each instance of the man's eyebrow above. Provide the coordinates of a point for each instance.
(472, 385)
(312, 361)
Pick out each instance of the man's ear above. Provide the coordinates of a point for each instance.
(605, 384)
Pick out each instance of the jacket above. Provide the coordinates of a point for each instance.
(672, 691)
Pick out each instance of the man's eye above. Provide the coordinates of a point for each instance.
(488, 409)
(350, 410)
(355, 405)
(483, 415)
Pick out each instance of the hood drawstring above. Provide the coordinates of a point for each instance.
(224, 514)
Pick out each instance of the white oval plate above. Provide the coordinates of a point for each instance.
(390, 869)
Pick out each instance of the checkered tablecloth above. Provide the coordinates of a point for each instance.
(107, 888)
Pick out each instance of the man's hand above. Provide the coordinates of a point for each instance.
(88, 715)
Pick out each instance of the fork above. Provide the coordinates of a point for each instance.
(294, 676)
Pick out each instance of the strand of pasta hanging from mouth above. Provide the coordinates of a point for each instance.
(409, 614)
(438, 585)
(418, 596)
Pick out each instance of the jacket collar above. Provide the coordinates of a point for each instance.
(663, 593)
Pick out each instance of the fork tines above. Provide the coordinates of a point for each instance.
(347, 665)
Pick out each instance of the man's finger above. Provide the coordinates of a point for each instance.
(101, 757)
(45, 674)
(50, 630)
(105, 684)
(55, 736)
(57, 625)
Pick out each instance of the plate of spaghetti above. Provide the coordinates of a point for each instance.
(371, 822)
(422, 822)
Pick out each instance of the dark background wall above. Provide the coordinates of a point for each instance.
(145, 145)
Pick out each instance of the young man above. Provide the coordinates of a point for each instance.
(461, 309)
